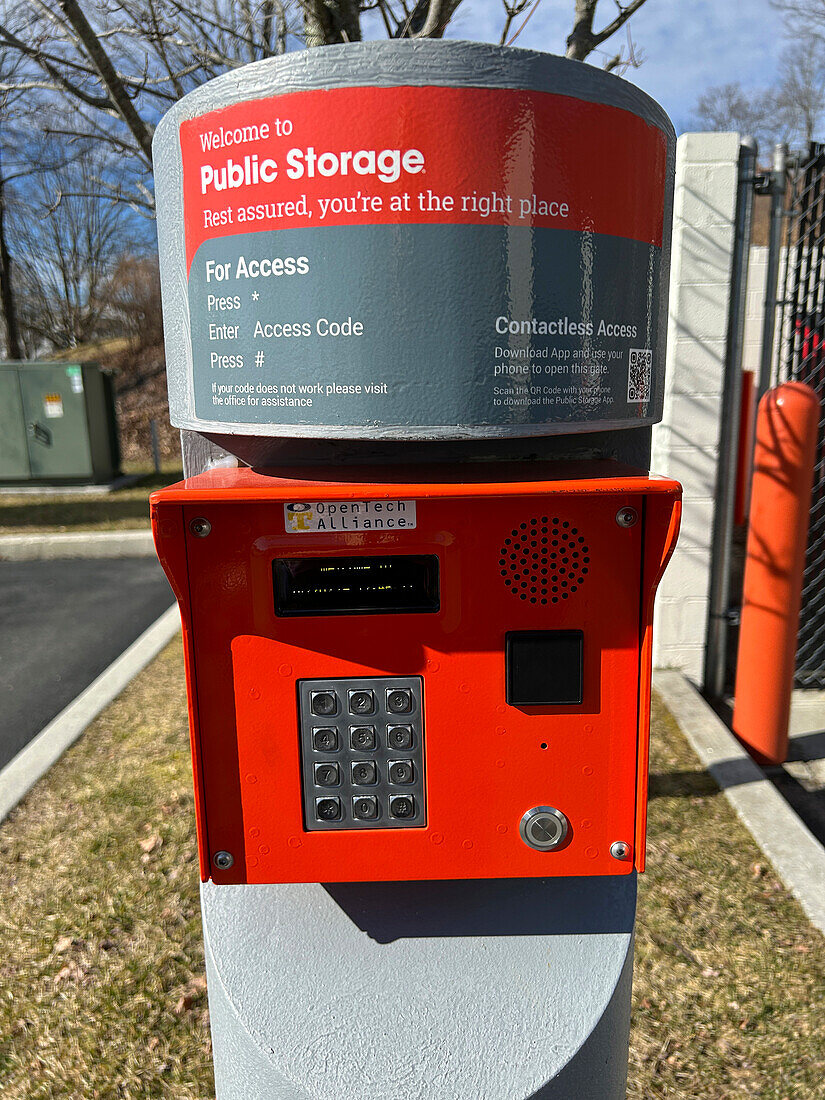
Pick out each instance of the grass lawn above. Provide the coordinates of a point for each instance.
(122, 510)
(101, 990)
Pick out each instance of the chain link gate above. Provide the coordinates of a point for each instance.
(801, 346)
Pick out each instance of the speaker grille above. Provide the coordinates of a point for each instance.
(544, 560)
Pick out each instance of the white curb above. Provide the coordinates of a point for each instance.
(31, 763)
(77, 544)
(794, 851)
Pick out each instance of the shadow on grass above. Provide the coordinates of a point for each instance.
(682, 785)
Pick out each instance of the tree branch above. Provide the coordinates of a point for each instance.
(438, 16)
(583, 39)
(328, 22)
(101, 102)
(511, 12)
(118, 95)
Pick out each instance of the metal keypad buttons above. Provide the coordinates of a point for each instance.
(328, 809)
(365, 807)
(324, 703)
(401, 771)
(361, 702)
(402, 806)
(327, 775)
(362, 753)
(325, 740)
(400, 737)
(362, 738)
(364, 773)
(399, 701)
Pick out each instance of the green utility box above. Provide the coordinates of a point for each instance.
(57, 423)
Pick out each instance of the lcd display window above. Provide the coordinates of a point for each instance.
(385, 585)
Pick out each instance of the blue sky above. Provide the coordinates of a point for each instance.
(688, 44)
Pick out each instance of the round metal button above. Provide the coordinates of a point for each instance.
(543, 828)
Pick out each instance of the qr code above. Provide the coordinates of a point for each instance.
(639, 368)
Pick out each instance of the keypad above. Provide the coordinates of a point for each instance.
(362, 753)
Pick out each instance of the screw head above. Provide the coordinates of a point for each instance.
(620, 850)
(200, 527)
(223, 860)
(627, 517)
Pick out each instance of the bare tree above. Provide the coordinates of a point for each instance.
(792, 110)
(803, 18)
(133, 294)
(8, 309)
(129, 61)
(120, 65)
(68, 239)
(99, 73)
(732, 107)
(24, 155)
(10, 111)
(800, 95)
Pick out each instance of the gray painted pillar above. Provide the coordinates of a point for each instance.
(484, 990)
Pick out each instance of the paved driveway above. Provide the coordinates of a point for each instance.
(61, 624)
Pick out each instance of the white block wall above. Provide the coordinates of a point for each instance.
(686, 444)
(755, 308)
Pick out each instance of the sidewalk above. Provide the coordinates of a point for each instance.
(802, 778)
(77, 544)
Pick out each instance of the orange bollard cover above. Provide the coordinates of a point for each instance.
(786, 437)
